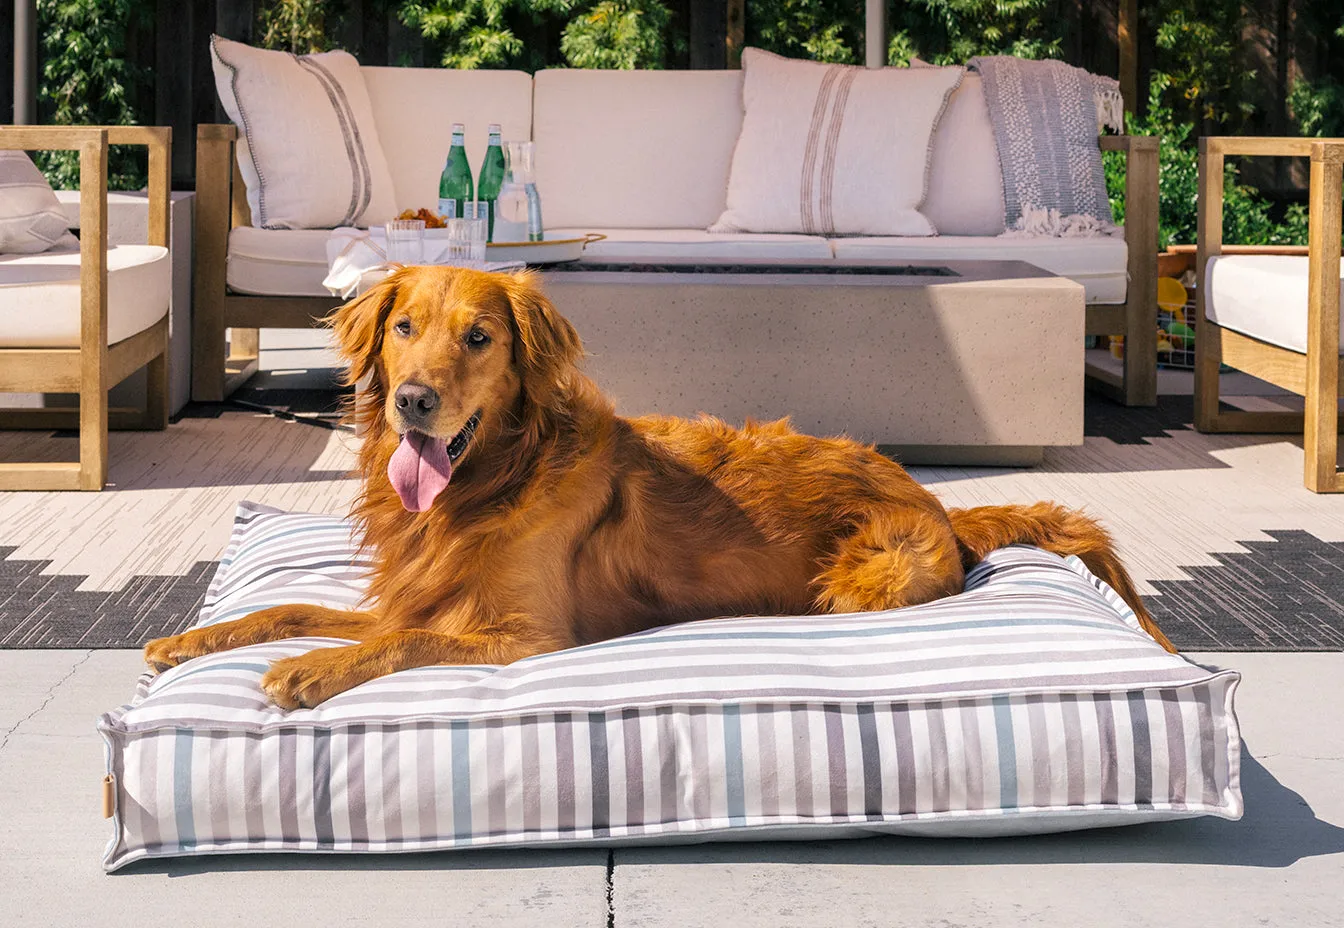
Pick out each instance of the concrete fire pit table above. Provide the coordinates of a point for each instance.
(965, 362)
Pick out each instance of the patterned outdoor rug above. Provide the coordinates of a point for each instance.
(1229, 549)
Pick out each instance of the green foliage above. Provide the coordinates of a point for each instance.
(1199, 50)
(1318, 107)
(951, 31)
(823, 30)
(480, 33)
(623, 34)
(297, 26)
(1248, 218)
(87, 80)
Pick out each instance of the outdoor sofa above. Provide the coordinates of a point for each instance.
(643, 158)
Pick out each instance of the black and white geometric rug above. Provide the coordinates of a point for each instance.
(1228, 548)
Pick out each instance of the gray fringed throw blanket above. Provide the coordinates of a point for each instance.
(1046, 117)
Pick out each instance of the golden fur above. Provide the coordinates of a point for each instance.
(564, 523)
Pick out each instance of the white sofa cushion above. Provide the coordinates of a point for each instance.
(31, 219)
(697, 243)
(830, 148)
(415, 108)
(1099, 263)
(1263, 296)
(308, 147)
(278, 262)
(635, 149)
(965, 183)
(40, 295)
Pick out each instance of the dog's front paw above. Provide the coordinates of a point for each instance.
(307, 680)
(165, 653)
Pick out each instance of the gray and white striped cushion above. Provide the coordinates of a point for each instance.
(1030, 703)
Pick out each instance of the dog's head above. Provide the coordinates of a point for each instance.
(456, 358)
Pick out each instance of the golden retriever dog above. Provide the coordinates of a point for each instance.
(511, 512)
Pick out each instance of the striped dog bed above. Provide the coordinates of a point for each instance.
(1030, 703)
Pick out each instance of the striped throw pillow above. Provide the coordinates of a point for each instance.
(830, 149)
(1030, 703)
(308, 146)
(31, 219)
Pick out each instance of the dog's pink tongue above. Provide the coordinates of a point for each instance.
(419, 470)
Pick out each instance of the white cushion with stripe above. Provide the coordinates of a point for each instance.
(1030, 703)
(828, 148)
(308, 146)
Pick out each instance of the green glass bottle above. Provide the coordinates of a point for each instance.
(455, 190)
(491, 177)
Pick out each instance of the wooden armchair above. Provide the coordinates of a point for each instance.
(86, 363)
(1275, 317)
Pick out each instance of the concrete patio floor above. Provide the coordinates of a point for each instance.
(1283, 864)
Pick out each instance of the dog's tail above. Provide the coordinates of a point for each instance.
(1058, 530)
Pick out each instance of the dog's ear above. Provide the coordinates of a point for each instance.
(359, 326)
(546, 346)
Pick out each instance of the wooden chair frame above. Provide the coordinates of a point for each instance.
(221, 204)
(1316, 374)
(94, 367)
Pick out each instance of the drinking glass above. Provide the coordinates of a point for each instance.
(406, 241)
(466, 240)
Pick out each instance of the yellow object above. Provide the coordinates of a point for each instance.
(1163, 346)
(1118, 347)
(1171, 296)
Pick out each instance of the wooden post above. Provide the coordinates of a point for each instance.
(1141, 235)
(1127, 39)
(1209, 235)
(1320, 444)
(737, 31)
(875, 34)
(708, 35)
(214, 169)
(93, 313)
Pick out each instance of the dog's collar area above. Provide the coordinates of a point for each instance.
(464, 437)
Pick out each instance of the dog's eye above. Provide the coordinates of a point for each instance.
(476, 338)
(403, 327)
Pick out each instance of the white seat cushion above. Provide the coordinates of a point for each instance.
(697, 243)
(1263, 296)
(40, 295)
(278, 262)
(1099, 263)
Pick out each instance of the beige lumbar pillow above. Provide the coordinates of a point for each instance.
(31, 219)
(829, 148)
(308, 147)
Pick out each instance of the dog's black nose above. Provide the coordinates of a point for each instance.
(415, 402)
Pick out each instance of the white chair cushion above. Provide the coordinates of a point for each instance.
(308, 146)
(828, 148)
(697, 243)
(1099, 263)
(31, 219)
(635, 149)
(1263, 296)
(415, 108)
(965, 182)
(40, 295)
(278, 262)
